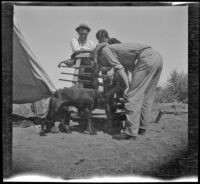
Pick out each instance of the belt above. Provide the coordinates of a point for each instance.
(144, 49)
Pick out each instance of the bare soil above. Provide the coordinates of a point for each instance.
(78, 155)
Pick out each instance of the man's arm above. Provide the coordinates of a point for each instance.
(123, 76)
(75, 45)
(119, 69)
(69, 62)
(129, 74)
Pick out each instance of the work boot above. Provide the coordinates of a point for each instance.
(141, 131)
(90, 132)
(43, 133)
(123, 136)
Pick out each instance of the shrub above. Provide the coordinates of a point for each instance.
(176, 88)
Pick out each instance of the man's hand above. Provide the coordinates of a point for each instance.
(125, 95)
(124, 77)
(110, 74)
(69, 62)
(60, 64)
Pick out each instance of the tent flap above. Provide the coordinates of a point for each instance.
(30, 82)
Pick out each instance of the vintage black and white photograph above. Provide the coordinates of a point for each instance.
(99, 91)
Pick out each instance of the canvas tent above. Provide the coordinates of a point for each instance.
(30, 82)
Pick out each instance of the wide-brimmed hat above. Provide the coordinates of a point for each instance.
(83, 26)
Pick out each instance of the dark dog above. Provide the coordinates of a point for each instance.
(83, 99)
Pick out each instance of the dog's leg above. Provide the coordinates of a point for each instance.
(49, 126)
(88, 115)
(91, 122)
(108, 125)
(62, 125)
(53, 127)
(42, 132)
(90, 125)
(67, 121)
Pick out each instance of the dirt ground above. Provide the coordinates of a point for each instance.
(78, 155)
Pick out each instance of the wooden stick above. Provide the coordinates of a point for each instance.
(98, 114)
(174, 112)
(168, 112)
(84, 66)
(84, 81)
(67, 80)
(76, 67)
(94, 114)
(84, 75)
(158, 117)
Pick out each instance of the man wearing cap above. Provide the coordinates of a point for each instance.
(82, 43)
(145, 64)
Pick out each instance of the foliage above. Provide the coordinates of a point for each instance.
(176, 88)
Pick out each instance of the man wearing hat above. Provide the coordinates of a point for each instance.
(82, 43)
(79, 44)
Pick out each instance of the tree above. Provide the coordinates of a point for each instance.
(176, 88)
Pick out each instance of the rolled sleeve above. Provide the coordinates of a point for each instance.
(112, 58)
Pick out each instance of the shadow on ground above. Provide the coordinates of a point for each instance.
(184, 165)
(99, 125)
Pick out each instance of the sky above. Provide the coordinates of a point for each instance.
(49, 30)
